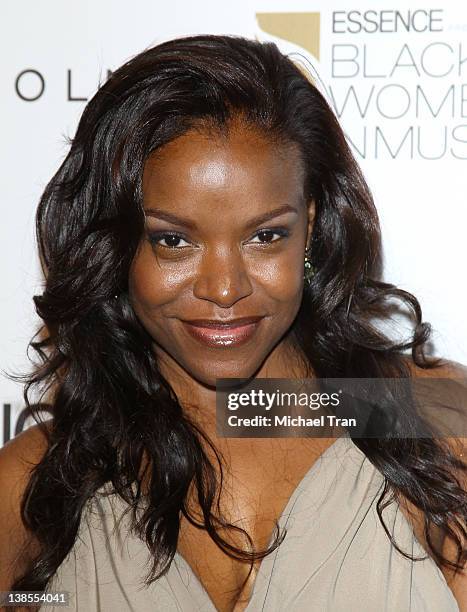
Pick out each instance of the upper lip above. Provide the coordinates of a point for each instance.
(222, 322)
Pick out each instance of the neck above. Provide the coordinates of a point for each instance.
(199, 404)
(199, 400)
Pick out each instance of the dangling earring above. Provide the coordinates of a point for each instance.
(309, 269)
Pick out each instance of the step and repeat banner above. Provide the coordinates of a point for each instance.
(394, 72)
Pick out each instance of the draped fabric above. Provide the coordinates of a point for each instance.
(335, 557)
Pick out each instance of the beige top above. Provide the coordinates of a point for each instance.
(335, 557)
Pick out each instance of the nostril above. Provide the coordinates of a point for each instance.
(223, 284)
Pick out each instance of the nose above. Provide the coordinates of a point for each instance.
(223, 278)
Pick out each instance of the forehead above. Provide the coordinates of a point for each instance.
(240, 161)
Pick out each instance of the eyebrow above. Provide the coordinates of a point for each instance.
(171, 218)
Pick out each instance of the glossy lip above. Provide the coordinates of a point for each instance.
(219, 333)
(222, 323)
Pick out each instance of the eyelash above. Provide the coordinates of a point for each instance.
(153, 237)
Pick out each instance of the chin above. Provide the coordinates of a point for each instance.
(236, 370)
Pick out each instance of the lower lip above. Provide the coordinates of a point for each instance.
(223, 336)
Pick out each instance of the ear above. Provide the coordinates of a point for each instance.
(311, 208)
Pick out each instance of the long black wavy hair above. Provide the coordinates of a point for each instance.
(111, 406)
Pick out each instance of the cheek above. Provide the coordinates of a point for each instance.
(282, 278)
(152, 286)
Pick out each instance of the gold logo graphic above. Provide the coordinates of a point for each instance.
(302, 29)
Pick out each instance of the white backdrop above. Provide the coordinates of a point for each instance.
(397, 82)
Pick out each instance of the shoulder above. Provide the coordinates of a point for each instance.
(28, 446)
(452, 370)
(446, 369)
(21, 454)
(17, 458)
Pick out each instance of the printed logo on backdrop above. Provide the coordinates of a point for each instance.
(31, 85)
(301, 29)
(395, 78)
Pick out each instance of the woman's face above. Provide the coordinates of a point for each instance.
(226, 228)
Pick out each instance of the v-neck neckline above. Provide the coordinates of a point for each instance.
(282, 521)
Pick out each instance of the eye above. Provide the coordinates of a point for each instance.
(172, 240)
(266, 236)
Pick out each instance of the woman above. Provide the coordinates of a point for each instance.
(210, 221)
